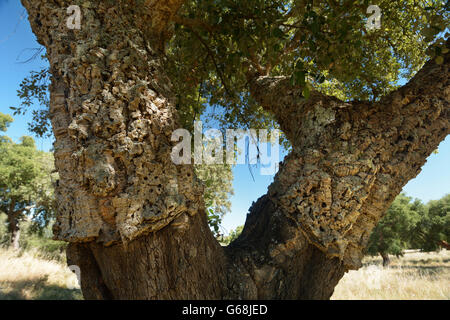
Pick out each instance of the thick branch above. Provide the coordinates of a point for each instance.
(349, 160)
(278, 96)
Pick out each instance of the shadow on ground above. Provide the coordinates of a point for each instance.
(36, 289)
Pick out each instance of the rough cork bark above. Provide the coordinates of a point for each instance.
(136, 222)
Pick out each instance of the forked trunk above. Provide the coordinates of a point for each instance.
(13, 226)
(136, 221)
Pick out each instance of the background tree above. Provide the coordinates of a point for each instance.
(25, 183)
(410, 224)
(433, 229)
(234, 234)
(395, 231)
(5, 121)
(218, 181)
(311, 68)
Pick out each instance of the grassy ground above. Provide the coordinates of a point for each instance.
(415, 276)
(32, 275)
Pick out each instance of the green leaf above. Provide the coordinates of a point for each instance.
(300, 78)
(278, 33)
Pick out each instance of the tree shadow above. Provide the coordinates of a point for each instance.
(429, 261)
(36, 289)
(424, 270)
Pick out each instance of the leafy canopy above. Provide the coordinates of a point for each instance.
(434, 226)
(26, 179)
(218, 181)
(218, 44)
(5, 121)
(319, 44)
(393, 233)
(410, 224)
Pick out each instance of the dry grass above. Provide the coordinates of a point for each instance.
(27, 275)
(415, 276)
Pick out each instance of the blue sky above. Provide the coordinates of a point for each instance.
(16, 40)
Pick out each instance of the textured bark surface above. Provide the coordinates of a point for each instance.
(113, 116)
(174, 263)
(136, 222)
(350, 160)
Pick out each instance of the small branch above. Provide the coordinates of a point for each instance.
(291, 46)
(211, 55)
(255, 63)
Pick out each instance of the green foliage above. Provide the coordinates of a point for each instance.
(41, 241)
(434, 226)
(32, 239)
(34, 95)
(321, 44)
(393, 234)
(218, 182)
(4, 235)
(26, 180)
(234, 234)
(410, 224)
(5, 120)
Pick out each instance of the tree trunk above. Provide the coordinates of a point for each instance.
(136, 222)
(386, 260)
(444, 244)
(13, 225)
(14, 231)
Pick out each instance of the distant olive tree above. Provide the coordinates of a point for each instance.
(393, 234)
(234, 234)
(433, 230)
(410, 224)
(26, 183)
